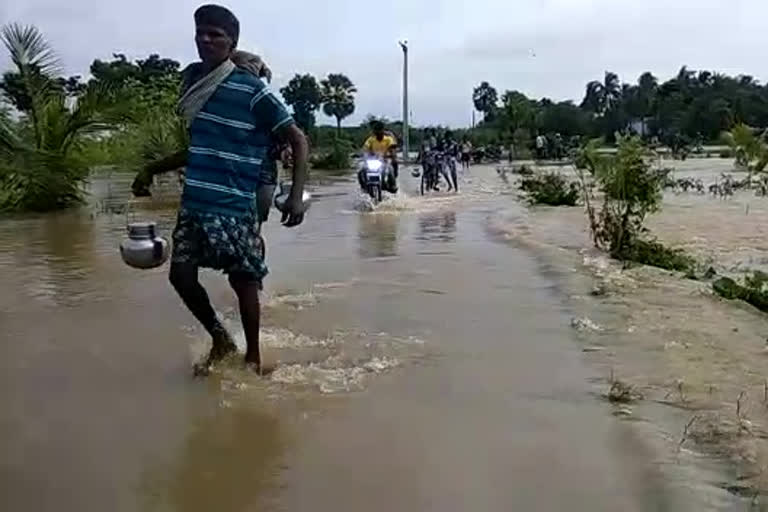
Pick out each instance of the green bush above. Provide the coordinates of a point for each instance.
(551, 189)
(337, 158)
(726, 153)
(752, 291)
(656, 254)
(631, 191)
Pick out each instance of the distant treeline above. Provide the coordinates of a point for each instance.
(692, 105)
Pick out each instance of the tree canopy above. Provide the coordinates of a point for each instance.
(120, 68)
(41, 168)
(338, 96)
(691, 105)
(485, 99)
(304, 95)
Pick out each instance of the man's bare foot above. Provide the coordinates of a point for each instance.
(260, 369)
(223, 345)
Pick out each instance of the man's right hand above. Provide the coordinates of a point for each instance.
(143, 180)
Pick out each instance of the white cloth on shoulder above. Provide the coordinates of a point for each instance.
(200, 92)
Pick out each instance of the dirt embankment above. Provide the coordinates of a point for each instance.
(694, 363)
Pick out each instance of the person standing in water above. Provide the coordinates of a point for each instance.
(451, 159)
(234, 124)
(466, 153)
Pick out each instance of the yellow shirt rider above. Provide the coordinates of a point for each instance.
(382, 145)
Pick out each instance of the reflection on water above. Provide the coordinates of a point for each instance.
(377, 235)
(438, 226)
(57, 252)
(225, 463)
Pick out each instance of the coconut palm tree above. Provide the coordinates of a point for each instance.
(602, 96)
(43, 170)
(485, 99)
(611, 90)
(338, 96)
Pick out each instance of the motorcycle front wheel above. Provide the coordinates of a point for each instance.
(375, 192)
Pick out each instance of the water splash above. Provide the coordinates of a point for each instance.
(283, 338)
(297, 300)
(392, 204)
(332, 375)
(585, 324)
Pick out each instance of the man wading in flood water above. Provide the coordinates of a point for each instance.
(233, 121)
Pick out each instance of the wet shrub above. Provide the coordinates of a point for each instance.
(748, 147)
(336, 159)
(524, 170)
(623, 393)
(727, 288)
(631, 190)
(551, 189)
(753, 291)
(656, 254)
(666, 177)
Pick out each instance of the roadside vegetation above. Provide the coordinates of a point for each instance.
(753, 290)
(630, 190)
(42, 166)
(56, 129)
(551, 189)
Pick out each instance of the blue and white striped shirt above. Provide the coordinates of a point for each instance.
(229, 146)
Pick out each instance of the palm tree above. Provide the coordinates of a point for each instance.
(338, 97)
(685, 77)
(602, 96)
(593, 98)
(42, 170)
(485, 99)
(611, 90)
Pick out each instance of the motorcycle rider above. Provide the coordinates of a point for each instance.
(380, 145)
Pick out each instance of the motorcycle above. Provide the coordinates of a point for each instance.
(375, 176)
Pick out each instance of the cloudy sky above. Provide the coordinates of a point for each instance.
(541, 47)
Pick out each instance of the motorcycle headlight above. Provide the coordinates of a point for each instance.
(373, 165)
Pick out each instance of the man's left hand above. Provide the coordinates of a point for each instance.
(294, 212)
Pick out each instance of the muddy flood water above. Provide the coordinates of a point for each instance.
(424, 362)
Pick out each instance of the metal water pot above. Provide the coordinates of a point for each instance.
(144, 248)
(284, 191)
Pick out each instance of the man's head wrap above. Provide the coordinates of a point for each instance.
(218, 16)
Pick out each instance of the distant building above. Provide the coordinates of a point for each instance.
(640, 127)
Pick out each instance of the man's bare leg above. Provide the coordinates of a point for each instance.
(247, 290)
(184, 279)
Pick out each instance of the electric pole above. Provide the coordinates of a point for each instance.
(404, 46)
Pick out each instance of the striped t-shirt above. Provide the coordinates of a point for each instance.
(229, 146)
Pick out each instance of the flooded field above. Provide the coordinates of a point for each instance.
(699, 361)
(425, 361)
